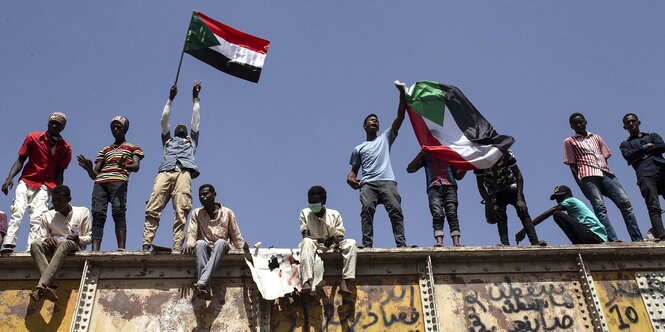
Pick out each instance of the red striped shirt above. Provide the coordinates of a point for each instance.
(588, 153)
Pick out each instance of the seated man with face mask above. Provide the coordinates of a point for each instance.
(323, 229)
(175, 174)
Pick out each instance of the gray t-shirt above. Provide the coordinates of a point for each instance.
(373, 157)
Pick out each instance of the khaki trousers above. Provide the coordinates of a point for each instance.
(39, 250)
(176, 186)
(308, 248)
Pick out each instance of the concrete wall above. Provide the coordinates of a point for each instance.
(572, 288)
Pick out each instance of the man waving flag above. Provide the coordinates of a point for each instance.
(225, 48)
(449, 127)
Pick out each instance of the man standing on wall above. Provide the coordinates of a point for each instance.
(378, 185)
(644, 151)
(111, 175)
(175, 174)
(48, 155)
(587, 155)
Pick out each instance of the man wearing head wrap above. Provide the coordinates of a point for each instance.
(111, 175)
(175, 174)
(47, 155)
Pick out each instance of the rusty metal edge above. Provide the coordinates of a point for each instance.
(650, 301)
(86, 298)
(591, 297)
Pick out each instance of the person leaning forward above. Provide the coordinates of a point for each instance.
(47, 155)
(63, 230)
(175, 174)
(111, 175)
(378, 184)
(323, 229)
(578, 222)
(212, 229)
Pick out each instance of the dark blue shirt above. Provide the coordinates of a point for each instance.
(640, 158)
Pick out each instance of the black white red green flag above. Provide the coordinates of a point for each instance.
(225, 48)
(449, 127)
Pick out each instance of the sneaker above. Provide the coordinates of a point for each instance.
(201, 292)
(502, 245)
(540, 243)
(438, 245)
(7, 249)
(37, 294)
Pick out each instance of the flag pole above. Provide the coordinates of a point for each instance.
(175, 83)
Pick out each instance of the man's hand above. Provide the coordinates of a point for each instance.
(122, 164)
(401, 87)
(7, 186)
(490, 211)
(328, 241)
(520, 204)
(188, 250)
(338, 239)
(73, 237)
(520, 236)
(354, 183)
(84, 162)
(173, 92)
(196, 89)
(51, 242)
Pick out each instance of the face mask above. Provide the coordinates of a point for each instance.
(316, 208)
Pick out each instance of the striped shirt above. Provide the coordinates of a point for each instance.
(111, 157)
(588, 154)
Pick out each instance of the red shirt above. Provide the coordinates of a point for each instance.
(42, 165)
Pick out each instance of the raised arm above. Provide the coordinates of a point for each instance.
(401, 108)
(196, 115)
(416, 163)
(166, 129)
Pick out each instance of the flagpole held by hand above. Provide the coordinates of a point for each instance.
(175, 83)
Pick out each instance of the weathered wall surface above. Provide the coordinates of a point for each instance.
(567, 288)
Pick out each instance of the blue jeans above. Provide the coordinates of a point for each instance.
(443, 203)
(208, 258)
(594, 188)
(381, 192)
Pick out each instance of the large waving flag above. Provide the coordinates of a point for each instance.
(449, 127)
(225, 48)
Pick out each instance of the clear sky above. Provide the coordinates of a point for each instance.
(526, 65)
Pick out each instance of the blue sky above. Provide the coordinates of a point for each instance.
(526, 65)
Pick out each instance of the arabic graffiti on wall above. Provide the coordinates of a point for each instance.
(511, 302)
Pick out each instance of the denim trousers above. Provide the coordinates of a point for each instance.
(208, 258)
(651, 188)
(381, 192)
(443, 204)
(594, 188)
(103, 194)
